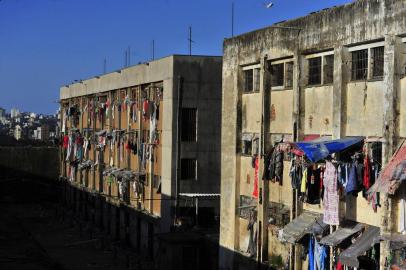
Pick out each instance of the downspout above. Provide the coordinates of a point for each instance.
(178, 147)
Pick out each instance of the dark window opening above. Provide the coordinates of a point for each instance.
(189, 127)
(277, 75)
(314, 71)
(377, 62)
(289, 74)
(188, 169)
(359, 69)
(328, 71)
(246, 144)
(248, 80)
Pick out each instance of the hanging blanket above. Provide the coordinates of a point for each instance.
(331, 199)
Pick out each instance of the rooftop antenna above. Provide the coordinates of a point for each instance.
(104, 66)
(232, 19)
(129, 56)
(153, 49)
(190, 40)
(125, 58)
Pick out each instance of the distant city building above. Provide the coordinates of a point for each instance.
(15, 113)
(17, 132)
(2, 113)
(43, 132)
(33, 115)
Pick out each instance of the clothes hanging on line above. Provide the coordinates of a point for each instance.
(331, 198)
(255, 191)
(295, 173)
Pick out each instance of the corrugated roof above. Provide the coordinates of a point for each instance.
(198, 195)
(308, 222)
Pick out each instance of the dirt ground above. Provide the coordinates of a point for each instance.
(36, 233)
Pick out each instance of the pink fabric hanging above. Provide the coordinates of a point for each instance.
(255, 192)
(331, 199)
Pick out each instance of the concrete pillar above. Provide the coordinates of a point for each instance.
(391, 79)
(298, 132)
(339, 91)
(229, 159)
(263, 185)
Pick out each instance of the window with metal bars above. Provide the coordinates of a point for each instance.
(289, 74)
(248, 80)
(189, 125)
(188, 169)
(328, 69)
(257, 76)
(359, 70)
(377, 62)
(277, 75)
(314, 71)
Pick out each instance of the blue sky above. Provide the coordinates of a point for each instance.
(48, 43)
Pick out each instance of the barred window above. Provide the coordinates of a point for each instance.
(289, 74)
(248, 80)
(359, 69)
(277, 74)
(188, 169)
(314, 71)
(189, 126)
(377, 62)
(328, 69)
(257, 76)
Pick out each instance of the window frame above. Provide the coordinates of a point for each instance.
(370, 47)
(285, 61)
(183, 138)
(256, 80)
(323, 65)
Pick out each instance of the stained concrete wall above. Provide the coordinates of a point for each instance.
(38, 161)
(367, 108)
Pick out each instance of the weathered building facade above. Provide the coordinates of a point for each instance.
(141, 149)
(332, 74)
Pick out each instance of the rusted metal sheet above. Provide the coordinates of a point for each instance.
(341, 234)
(369, 238)
(307, 222)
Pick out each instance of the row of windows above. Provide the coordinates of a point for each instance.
(365, 64)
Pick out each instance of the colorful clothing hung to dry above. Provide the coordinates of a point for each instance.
(367, 173)
(295, 174)
(331, 199)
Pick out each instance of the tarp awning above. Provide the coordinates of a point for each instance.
(393, 174)
(318, 150)
(341, 234)
(307, 222)
(369, 238)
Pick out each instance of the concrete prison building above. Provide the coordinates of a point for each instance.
(313, 108)
(141, 154)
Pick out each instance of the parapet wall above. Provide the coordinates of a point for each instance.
(37, 161)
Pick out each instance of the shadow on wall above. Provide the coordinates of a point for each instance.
(41, 161)
(231, 260)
